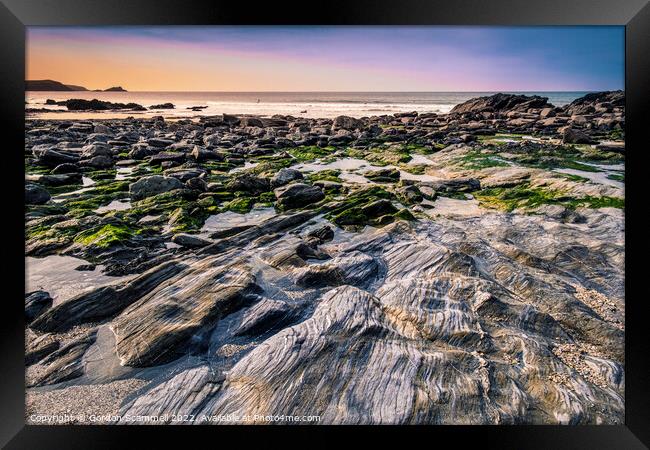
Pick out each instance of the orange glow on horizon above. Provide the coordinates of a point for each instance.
(328, 58)
(190, 69)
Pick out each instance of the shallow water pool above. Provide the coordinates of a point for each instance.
(115, 205)
(56, 275)
(231, 219)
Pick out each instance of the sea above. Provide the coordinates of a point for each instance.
(297, 104)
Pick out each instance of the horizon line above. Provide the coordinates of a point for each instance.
(126, 91)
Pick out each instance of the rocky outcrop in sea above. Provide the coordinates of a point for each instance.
(408, 269)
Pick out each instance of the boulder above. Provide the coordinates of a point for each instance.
(328, 186)
(95, 149)
(200, 154)
(139, 152)
(379, 208)
(169, 164)
(98, 137)
(184, 174)
(52, 158)
(339, 139)
(545, 113)
(409, 194)
(159, 142)
(461, 184)
(551, 122)
(285, 176)
(161, 157)
(579, 120)
(101, 128)
(346, 123)
(520, 122)
(608, 123)
(197, 184)
(273, 122)
(249, 183)
(297, 195)
(383, 175)
(467, 137)
(64, 364)
(153, 185)
(587, 103)
(573, 136)
(250, 122)
(501, 103)
(36, 195)
(76, 104)
(162, 106)
(98, 162)
(212, 140)
(428, 192)
(230, 120)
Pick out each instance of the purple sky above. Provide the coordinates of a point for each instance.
(330, 58)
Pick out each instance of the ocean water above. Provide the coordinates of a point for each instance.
(298, 104)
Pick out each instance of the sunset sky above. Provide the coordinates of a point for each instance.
(328, 58)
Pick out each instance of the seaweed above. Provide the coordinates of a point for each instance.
(327, 175)
(476, 160)
(240, 205)
(354, 211)
(527, 197)
(616, 177)
(310, 153)
(105, 236)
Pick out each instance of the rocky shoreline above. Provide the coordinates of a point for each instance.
(414, 268)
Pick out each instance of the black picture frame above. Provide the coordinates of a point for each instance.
(15, 15)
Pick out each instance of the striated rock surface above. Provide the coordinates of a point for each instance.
(63, 364)
(475, 312)
(154, 329)
(36, 303)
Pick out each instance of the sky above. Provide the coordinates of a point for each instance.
(329, 58)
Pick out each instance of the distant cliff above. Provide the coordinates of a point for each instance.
(51, 85)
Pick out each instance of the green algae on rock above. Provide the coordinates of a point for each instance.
(527, 197)
(105, 236)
